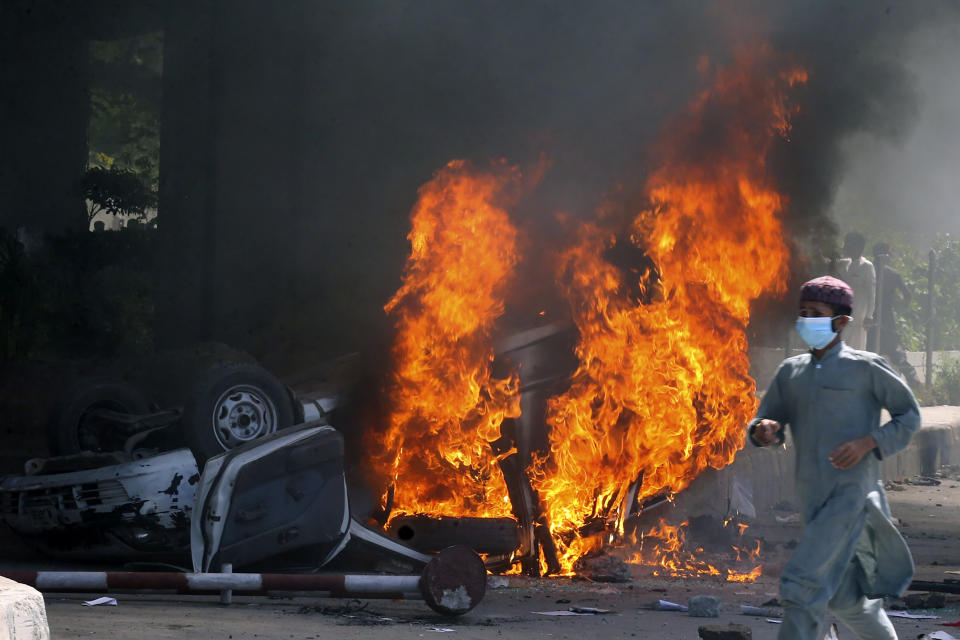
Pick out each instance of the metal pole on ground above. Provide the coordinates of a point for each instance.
(453, 582)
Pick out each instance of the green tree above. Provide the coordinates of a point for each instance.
(116, 192)
(913, 264)
(125, 102)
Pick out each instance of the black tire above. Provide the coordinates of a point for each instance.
(71, 429)
(232, 405)
(430, 534)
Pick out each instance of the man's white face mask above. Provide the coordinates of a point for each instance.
(816, 332)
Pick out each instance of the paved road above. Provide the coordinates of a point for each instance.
(930, 517)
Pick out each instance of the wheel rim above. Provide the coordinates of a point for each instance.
(243, 413)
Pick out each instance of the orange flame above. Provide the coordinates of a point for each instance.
(662, 389)
(750, 576)
(446, 408)
(665, 548)
(663, 386)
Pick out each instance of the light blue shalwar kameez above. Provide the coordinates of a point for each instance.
(850, 554)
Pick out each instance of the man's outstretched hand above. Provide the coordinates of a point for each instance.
(766, 432)
(851, 452)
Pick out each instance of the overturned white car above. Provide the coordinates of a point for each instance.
(279, 502)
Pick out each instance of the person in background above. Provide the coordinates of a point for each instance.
(891, 293)
(850, 555)
(859, 273)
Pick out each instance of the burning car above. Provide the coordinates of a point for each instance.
(658, 389)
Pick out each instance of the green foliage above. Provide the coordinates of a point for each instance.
(946, 385)
(913, 264)
(117, 192)
(125, 102)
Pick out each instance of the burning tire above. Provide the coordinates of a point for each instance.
(74, 426)
(232, 405)
(429, 534)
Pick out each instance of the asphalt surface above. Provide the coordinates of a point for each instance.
(929, 515)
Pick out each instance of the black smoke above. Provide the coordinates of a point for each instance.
(295, 134)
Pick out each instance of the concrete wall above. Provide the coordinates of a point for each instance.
(769, 472)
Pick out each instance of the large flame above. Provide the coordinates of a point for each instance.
(663, 388)
(662, 391)
(445, 407)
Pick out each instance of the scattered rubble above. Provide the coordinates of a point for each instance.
(576, 611)
(664, 605)
(602, 567)
(925, 600)
(727, 632)
(704, 607)
(591, 610)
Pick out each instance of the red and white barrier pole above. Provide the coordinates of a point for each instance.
(453, 582)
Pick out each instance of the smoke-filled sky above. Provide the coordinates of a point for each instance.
(329, 117)
(911, 181)
(401, 88)
(589, 85)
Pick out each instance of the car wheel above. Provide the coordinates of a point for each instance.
(73, 427)
(233, 405)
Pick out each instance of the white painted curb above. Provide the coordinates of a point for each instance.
(23, 615)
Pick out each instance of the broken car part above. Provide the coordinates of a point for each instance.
(452, 583)
(82, 420)
(430, 533)
(282, 501)
(135, 509)
(534, 529)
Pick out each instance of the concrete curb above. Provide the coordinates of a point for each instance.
(23, 615)
(770, 472)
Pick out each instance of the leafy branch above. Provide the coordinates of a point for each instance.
(116, 192)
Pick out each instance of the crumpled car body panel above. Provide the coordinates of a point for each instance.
(136, 509)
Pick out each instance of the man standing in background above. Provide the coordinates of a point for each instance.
(859, 273)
